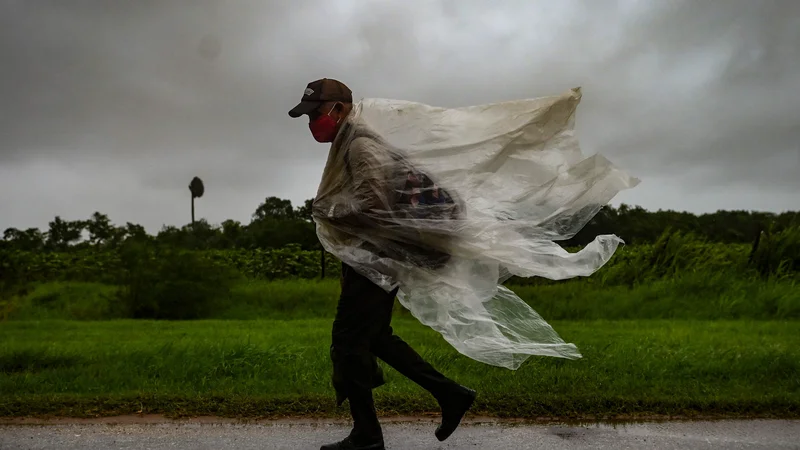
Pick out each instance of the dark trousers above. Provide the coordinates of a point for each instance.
(361, 332)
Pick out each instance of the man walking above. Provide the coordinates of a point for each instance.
(362, 328)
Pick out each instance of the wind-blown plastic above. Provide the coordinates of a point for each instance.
(447, 204)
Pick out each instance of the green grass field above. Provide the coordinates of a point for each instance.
(262, 368)
(696, 343)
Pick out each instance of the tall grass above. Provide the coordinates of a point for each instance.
(64, 300)
(687, 296)
(701, 296)
(777, 254)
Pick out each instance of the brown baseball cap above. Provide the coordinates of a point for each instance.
(319, 92)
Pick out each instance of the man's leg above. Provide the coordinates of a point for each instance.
(359, 317)
(398, 354)
(453, 398)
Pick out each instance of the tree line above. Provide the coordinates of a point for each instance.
(277, 223)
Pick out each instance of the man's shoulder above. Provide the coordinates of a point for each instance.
(365, 143)
(362, 135)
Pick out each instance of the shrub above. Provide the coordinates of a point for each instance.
(159, 282)
(777, 254)
(674, 254)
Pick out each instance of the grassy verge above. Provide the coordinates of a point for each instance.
(261, 368)
(705, 295)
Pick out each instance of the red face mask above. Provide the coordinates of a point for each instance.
(323, 128)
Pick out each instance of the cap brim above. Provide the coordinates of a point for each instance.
(303, 108)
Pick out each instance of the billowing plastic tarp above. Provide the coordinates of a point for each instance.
(447, 204)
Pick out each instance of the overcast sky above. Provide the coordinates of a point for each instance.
(113, 105)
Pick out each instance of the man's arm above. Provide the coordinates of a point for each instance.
(369, 165)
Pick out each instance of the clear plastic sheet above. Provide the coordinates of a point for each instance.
(447, 204)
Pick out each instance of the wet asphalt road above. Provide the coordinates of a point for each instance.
(772, 435)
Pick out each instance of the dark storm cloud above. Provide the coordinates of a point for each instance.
(130, 79)
(689, 96)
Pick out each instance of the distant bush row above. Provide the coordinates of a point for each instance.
(106, 266)
(771, 255)
(164, 282)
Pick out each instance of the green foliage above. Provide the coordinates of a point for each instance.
(638, 226)
(63, 233)
(689, 296)
(271, 232)
(276, 208)
(100, 229)
(777, 254)
(81, 265)
(673, 254)
(276, 223)
(288, 262)
(65, 300)
(281, 299)
(105, 266)
(160, 282)
(29, 240)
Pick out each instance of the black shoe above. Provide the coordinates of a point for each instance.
(453, 411)
(348, 444)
